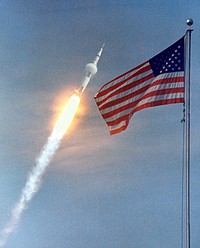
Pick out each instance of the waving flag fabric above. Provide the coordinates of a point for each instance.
(158, 81)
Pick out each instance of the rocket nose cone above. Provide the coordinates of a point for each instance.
(101, 50)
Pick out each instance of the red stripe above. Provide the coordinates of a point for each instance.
(136, 83)
(146, 105)
(158, 103)
(135, 93)
(103, 92)
(125, 88)
(122, 75)
(120, 119)
(124, 98)
(168, 80)
(134, 103)
(118, 130)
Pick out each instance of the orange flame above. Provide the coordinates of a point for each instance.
(66, 117)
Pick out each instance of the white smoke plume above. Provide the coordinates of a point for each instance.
(31, 187)
(34, 179)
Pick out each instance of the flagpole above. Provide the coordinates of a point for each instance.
(187, 88)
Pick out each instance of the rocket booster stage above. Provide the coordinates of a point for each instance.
(91, 70)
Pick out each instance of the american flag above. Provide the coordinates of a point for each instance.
(158, 81)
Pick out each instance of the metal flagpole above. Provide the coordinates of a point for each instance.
(187, 89)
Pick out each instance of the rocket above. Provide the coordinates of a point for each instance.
(90, 71)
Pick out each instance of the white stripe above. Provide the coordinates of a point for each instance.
(119, 125)
(165, 86)
(108, 85)
(147, 100)
(160, 97)
(139, 96)
(172, 85)
(118, 115)
(138, 77)
(127, 92)
(171, 75)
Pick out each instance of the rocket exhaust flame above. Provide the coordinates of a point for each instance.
(66, 118)
(34, 179)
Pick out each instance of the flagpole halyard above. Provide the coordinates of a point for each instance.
(187, 100)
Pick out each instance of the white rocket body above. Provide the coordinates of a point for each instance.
(91, 70)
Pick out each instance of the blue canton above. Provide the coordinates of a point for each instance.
(169, 60)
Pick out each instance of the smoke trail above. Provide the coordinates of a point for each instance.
(34, 179)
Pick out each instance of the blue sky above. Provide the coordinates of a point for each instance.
(99, 191)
